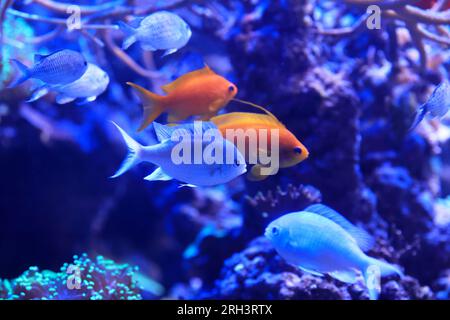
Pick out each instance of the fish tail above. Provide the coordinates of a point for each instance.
(152, 104)
(130, 35)
(132, 158)
(25, 73)
(375, 269)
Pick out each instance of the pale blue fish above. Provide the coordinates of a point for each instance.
(190, 174)
(437, 105)
(161, 30)
(85, 89)
(320, 241)
(60, 67)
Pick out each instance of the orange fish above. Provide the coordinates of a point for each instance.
(291, 150)
(199, 93)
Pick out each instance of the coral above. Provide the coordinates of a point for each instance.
(417, 21)
(100, 279)
(259, 273)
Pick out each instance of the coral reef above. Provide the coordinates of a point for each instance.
(349, 99)
(259, 273)
(98, 279)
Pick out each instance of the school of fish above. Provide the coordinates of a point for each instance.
(317, 239)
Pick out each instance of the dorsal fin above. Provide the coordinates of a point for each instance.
(362, 238)
(254, 105)
(164, 132)
(39, 57)
(243, 118)
(186, 77)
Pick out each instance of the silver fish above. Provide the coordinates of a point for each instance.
(190, 174)
(161, 30)
(437, 105)
(320, 241)
(60, 67)
(86, 89)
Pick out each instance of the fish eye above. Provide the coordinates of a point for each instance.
(298, 150)
(274, 231)
(85, 63)
(231, 88)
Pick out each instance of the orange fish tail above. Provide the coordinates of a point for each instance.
(152, 104)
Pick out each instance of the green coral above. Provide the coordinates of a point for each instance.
(99, 279)
(17, 31)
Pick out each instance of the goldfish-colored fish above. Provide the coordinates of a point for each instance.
(198, 93)
(161, 30)
(291, 150)
(437, 105)
(320, 241)
(86, 89)
(206, 172)
(60, 67)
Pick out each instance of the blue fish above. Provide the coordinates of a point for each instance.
(320, 241)
(161, 30)
(60, 67)
(437, 105)
(207, 172)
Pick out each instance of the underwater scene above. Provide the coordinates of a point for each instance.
(225, 150)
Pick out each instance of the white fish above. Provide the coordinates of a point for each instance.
(161, 30)
(190, 174)
(320, 241)
(86, 89)
(437, 105)
(60, 67)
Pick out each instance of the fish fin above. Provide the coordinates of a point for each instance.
(254, 105)
(39, 57)
(133, 152)
(130, 34)
(243, 118)
(168, 52)
(420, 114)
(39, 93)
(84, 101)
(151, 103)
(188, 185)
(186, 77)
(347, 276)
(162, 132)
(255, 173)
(62, 99)
(373, 270)
(26, 74)
(361, 237)
(158, 175)
(310, 271)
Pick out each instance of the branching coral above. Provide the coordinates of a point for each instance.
(101, 279)
(422, 24)
(94, 18)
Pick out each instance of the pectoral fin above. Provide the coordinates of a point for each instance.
(313, 272)
(255, 173)
(158, 175)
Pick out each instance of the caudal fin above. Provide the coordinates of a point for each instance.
(151, 103)
(130, 35)
(25, 73)
(133, 153)
(373, 271)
